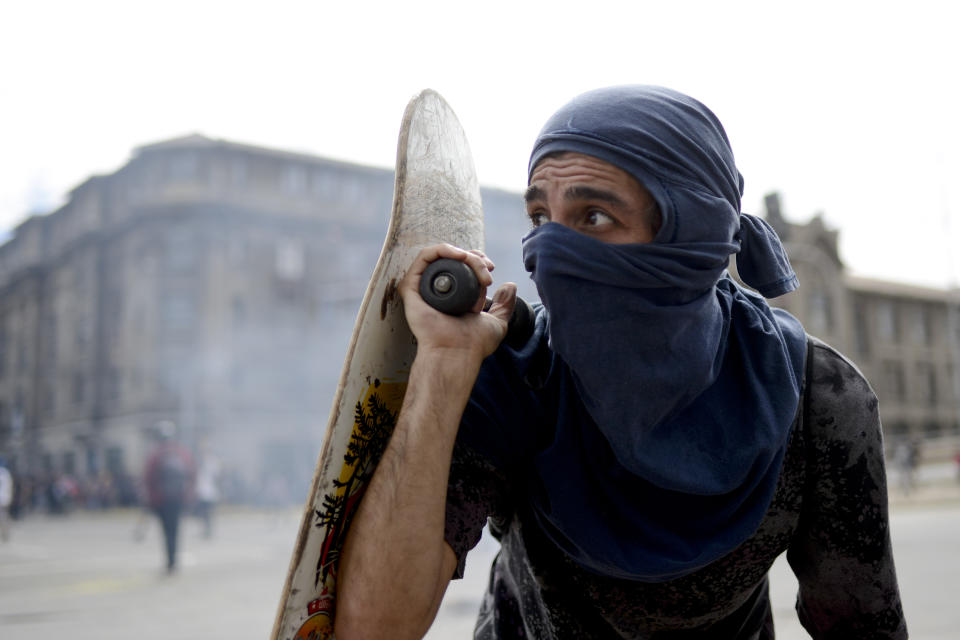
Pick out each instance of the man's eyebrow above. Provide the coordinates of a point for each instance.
(591, 193)
(576, 192)
(534, 193)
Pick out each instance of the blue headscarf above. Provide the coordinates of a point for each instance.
(676, 387)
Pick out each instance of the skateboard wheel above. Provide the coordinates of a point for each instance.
(449, 286)
(521, 325)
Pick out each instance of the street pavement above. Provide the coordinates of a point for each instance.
(86, 576)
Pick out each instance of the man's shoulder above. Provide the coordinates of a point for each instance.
(841, 398)
(832, 368)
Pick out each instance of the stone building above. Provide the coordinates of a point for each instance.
(205, 282)
(216, 284)
(904, 338)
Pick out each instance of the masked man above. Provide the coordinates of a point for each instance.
(661, 438)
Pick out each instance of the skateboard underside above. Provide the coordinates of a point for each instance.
(436, 199)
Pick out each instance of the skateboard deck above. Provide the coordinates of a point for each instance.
(436, 199)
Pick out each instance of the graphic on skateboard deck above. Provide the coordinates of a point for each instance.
(436, 199)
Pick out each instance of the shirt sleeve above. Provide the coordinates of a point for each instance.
(476, 491)
(497, 436)
(841, 554)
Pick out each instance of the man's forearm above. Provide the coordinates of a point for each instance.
(395, 565)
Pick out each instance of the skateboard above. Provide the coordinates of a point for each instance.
(436, 199)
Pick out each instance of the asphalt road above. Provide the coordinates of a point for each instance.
(86, 577)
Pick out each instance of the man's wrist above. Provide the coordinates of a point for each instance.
(455, 368)
(451, 358)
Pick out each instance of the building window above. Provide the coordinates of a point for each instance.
(81, 332)
(897, 430)
(78, 388)
(50, 339)
(237, 249)
(114, 319)
(113, 383)
(894, 383)
(238, 171)
(862, 329)
(352, 190)
(294, 180)
(184, 166)
(139, 321)
(953, 319)
(920, 329)
(820, 314)
(323, 183)
(291, 260)
(168, 382)
(81, 278)
(3, 352)
(887, 329)
(239, 311)
(69, 463)
(114, 461)
(18, 419)
(50, 399)
(238, 377)
(953, 383)
(22, 356)
(136, 378)
(179, 313)
(181, 254)
(927, 383)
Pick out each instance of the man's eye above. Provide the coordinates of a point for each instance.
(597, 218)
(538, 218)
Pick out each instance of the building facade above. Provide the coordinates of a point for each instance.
(216, 284)
(208, 283)
(904, 338)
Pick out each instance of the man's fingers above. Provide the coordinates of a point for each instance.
(482, 266)
(504, 300)
(476, 260)
(435, 252)
(481, 301)
(487, 261)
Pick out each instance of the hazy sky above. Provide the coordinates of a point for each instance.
(847, 108)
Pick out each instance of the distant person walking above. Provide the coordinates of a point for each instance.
(907, 457)
(208, 489)
(169, 479)
(6, 499)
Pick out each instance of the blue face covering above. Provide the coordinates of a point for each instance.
(684, 385)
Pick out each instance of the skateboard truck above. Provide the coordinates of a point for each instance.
(451, 286)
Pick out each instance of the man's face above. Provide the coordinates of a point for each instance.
(592, 197)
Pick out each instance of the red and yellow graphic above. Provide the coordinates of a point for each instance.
(375, 417)
(319, 624)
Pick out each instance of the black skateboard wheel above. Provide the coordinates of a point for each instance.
(521, 324)
(449, 286)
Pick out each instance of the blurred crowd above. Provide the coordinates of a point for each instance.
(61, 493)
